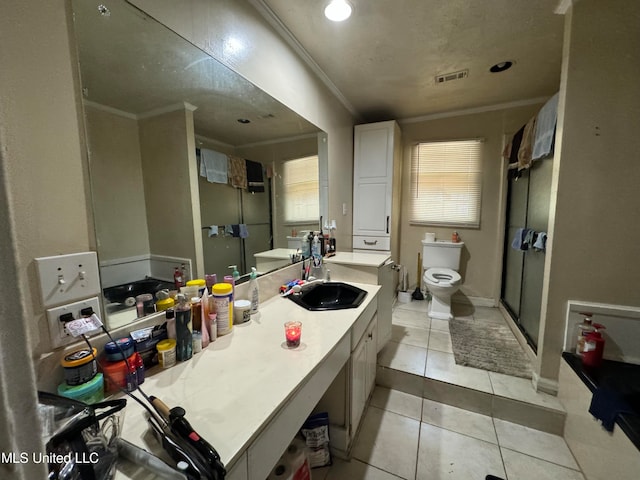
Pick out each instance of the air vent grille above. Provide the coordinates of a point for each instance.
(448, 77)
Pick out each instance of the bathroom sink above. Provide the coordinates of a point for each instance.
(120, 293)
(329, 296)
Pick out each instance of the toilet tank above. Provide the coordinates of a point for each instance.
(441, 254)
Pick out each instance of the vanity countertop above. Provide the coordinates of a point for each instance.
(235, 386)
(359, 258)
(623, 378)
(284, 253)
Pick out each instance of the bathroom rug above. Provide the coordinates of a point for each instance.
(489, 344)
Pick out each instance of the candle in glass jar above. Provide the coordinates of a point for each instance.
(292, 333)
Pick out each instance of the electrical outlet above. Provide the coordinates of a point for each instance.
(58, 334)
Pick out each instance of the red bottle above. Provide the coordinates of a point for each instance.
(178, 278)
(593, 347)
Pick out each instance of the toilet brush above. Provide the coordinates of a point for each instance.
(417, 293)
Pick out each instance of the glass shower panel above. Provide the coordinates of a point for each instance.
(533, 274)
(513, 259)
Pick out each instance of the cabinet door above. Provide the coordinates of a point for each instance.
(371, 355)
(373, 178)
(358, 383)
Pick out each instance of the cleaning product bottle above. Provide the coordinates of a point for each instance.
(178, 279)
(593, 347)
(254, 291)
(184, 337)
(583, 329)
(235, 274)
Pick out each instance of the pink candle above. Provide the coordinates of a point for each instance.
(293, 332)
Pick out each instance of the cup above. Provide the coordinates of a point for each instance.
(292, 333)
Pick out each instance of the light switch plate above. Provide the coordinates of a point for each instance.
(58, 334)
(66, 278)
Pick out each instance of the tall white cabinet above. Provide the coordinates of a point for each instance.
(376, 187)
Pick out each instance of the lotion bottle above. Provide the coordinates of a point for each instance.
(254, 291)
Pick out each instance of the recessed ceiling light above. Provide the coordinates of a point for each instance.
(338, 10)
(244, 120)
(501, 67)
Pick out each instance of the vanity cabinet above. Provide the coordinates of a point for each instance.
(376, 186)
(346, 398)
(363, 372)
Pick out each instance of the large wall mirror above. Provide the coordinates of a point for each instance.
(156, 107)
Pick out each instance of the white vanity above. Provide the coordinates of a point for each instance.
(248, 395)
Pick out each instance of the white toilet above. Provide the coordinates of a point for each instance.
(440, 264)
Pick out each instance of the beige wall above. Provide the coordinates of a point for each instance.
(117, 188)
(594, 229)
(167, 144)
(482, 253)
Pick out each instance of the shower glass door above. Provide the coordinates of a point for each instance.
(523, 271)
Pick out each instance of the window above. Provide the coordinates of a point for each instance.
(300, 190)
(446, 182)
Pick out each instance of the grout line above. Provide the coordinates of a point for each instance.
(543, 460)
(504, 467)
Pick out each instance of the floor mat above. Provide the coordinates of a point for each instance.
(488, 344)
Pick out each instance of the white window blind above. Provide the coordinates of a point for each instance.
(446, 181)
(301, 190)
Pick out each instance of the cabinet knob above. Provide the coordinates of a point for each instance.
(370, 243)
(370, 335)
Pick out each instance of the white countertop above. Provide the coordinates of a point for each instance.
(279, 253)
(233, 388)
(359, 258)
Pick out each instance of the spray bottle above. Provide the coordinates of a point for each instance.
(184, 332)
(254, 292)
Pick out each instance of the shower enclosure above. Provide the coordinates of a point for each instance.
(528, 199)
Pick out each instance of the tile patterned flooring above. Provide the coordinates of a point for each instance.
(405, 436)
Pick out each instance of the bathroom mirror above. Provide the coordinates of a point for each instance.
(152, 103)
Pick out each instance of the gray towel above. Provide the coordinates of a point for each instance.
(545, 129)
(216, 166)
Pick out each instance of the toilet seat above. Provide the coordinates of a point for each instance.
(442, 276)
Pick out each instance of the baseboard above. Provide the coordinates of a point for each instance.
(518, 334)
(475, 301)
(545, 385)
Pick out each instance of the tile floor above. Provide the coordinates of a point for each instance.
(409, 437)
(422, 346)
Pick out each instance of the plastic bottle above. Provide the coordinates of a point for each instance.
(235, 273)
(583, 329)
(178, 278)
(184, 338)
(593, 347)
(185, 273)
(254, 290)
(223, 298)
(315, 246)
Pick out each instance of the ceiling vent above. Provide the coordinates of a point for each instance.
(448, 77)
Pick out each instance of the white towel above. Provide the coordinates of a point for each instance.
(545, 128)
(216, 166)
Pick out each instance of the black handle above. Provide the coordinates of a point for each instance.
(387, 223)
(370, 243)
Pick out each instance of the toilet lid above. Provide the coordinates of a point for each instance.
(442, 275)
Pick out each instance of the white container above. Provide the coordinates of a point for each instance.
(429, 237)
(241, 311)
(404, 297)
(294, 243)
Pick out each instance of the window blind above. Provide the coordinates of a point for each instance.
(301, 190)
(446, 181)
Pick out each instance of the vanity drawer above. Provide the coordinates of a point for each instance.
(371, 243)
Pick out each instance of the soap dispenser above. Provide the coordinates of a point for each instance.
(254, 291)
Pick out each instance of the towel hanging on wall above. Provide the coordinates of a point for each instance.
(214, 166)
(255, 178)
(545, 129)
(238, 172)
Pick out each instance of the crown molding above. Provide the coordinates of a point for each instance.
(270, 16)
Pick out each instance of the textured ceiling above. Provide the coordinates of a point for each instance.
(384, 58)
(130, 62)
